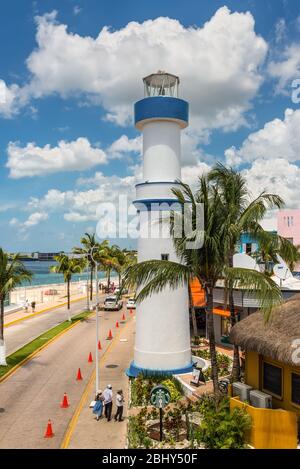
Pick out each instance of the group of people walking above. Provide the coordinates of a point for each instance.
(105, 399)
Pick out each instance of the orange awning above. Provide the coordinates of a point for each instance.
(222, 312)
(198, 294)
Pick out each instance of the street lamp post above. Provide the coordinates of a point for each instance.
(97, 320)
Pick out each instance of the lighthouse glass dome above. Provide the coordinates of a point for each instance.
(161, 84)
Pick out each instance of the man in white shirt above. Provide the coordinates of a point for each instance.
(108, 397)
(119, 404)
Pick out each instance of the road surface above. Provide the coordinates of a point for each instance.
(23, 332)
(32, 395)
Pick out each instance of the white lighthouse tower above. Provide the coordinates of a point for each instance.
(162, 342)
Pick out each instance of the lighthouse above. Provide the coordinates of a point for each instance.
(162, 339)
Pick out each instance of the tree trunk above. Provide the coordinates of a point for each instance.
(2, 342)
(120, 280)
(108, 279)
(68, 294)
(236, 367)
(193, 313)
(211, 338)
(91, 291)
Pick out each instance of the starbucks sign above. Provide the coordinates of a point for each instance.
(160, 396)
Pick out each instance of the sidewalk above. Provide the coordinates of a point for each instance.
(21, 315)
(84, 431)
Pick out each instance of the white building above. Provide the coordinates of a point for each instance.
(162, 342)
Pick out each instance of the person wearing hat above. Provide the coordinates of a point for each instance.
(98, 407)
(120, 405)
(108, 397)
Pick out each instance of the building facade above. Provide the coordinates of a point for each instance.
(288, 225)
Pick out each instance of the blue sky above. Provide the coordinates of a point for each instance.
(65, 83)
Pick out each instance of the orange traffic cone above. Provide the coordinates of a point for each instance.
(99, 345)
(117, 324)
(123, 317)
(110, 336)
(79, 375)
(90, 359)
(65, 402)
(49, 432)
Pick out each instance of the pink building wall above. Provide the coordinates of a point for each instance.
(288, 224)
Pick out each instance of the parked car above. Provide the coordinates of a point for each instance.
(112, 303)
(131, 303)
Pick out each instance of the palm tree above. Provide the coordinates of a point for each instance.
(89, 245)
(240, 215)
(270, 246)
(12, 274)
(111, 261)
(206, 261)
(123, 259)
(68, 266)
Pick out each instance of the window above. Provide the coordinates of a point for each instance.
(272, 379)
(248, 248)
(295, 388)
(165, 257)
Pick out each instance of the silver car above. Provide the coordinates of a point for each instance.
(112, 303)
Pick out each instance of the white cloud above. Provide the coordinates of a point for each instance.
(76, 10)
(78, 155)
(280, 30)
(277, 176)
(125, 145)
(34, 219)
(84, 205)
(286, 69)
(218, 63)
(278, 139)
(9, 99)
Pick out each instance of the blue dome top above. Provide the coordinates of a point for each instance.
(161, 108)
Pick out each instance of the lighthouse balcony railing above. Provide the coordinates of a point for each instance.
(156, 189)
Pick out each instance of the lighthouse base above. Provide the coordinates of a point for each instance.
(133, 371)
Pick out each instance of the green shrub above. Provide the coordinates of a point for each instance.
(142, 385)
(137, 433)
(220, 428)
(224, 363)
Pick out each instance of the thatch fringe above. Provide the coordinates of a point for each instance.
(275, 338)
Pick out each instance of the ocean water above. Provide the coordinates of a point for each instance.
(43, 276)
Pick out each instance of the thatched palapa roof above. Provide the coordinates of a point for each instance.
(275, 338)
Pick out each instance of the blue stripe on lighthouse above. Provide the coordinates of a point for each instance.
(161, 107)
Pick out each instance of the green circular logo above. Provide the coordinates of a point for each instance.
(160, 396)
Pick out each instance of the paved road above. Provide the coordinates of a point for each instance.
(32, 395)
(23, 332)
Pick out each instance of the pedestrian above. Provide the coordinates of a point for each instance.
(33, 306)
(108, 397)
(120, 405)
(26, 306)
(98, 407)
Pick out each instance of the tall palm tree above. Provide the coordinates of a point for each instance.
(206, 261)
(89, 246)
(68, 267)
(241, 214)
(12, 274)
